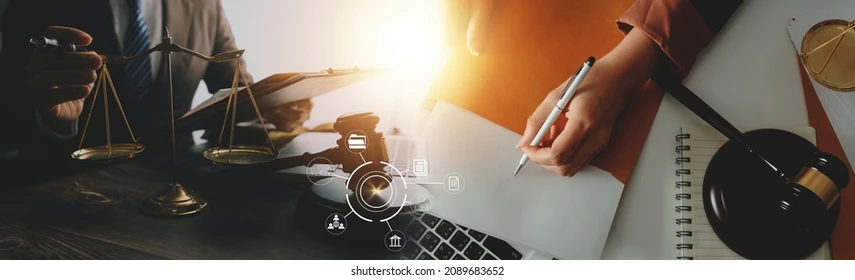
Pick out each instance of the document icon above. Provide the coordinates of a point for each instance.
(356, 142)
(420, 167)
(453, 183)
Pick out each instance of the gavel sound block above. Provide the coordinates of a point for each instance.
(760, 215)
(768, 194)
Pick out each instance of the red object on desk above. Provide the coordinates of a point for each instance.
(843, 236)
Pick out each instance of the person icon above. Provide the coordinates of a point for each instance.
(423, 205)
(335, 224)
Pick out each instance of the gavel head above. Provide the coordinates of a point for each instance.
(360, 144)
(815, 188)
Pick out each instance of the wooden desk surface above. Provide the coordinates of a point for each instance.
(95, 215)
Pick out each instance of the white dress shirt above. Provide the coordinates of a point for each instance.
(152, 11)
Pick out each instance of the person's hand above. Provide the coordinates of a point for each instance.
(591, 115)
(290, 116)
(474, 17)
(594, 108)
(59, 82)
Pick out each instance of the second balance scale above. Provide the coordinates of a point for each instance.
(175, 200)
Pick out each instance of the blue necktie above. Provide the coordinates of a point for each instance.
(136, 42)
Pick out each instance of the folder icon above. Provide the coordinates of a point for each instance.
(356, 142)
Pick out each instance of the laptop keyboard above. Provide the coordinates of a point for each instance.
(432, 238)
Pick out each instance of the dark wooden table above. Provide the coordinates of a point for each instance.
(94, 213)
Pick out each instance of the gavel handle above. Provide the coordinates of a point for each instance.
(280, 164)
(691, 100)
(301, 160)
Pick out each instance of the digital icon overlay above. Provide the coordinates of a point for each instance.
(320, 171)
(336, 223)
(422, 204)
(369, 181)
(395, 240)
(357, 142)
(454, 183)
(367, 185)
(421, 167)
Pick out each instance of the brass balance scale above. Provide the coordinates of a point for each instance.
(827, 54)
(175, 200)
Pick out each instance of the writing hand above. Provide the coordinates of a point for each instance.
(594, 108)
(59, 82)
(590, 116)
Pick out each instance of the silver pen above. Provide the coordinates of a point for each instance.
(559, 107)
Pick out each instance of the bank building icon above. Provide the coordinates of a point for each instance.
(395, 241)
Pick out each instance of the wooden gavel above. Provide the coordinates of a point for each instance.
(364, 160)
(776, 197)
(823, 177)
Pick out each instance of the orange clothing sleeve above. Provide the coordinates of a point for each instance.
(682, 28)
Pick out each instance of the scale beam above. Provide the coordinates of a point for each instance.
(217, 58)
(175, 200)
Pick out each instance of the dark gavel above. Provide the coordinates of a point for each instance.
(768, 194)
(367, 160)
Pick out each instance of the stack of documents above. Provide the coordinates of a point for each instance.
(839, 106)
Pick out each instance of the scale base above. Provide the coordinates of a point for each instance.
(175, 201)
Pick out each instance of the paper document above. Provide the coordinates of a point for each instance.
(471, 182)
(217, 96)
(839, 106)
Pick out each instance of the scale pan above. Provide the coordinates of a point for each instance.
(240, 155)
(108, 153)
(832, 64)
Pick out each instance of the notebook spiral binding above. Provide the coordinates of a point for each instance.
(682, 195)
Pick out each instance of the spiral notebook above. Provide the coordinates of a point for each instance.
(696, 238)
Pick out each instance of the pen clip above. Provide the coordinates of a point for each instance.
(589, 62)
(570, 82)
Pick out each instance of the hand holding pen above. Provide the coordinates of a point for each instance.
(60, 74)
(52, 44)
(545, 125)
(595, 108)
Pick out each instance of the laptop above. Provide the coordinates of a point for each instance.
(428, 236)
(479, 210)
(476, 208)
(431, 237)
